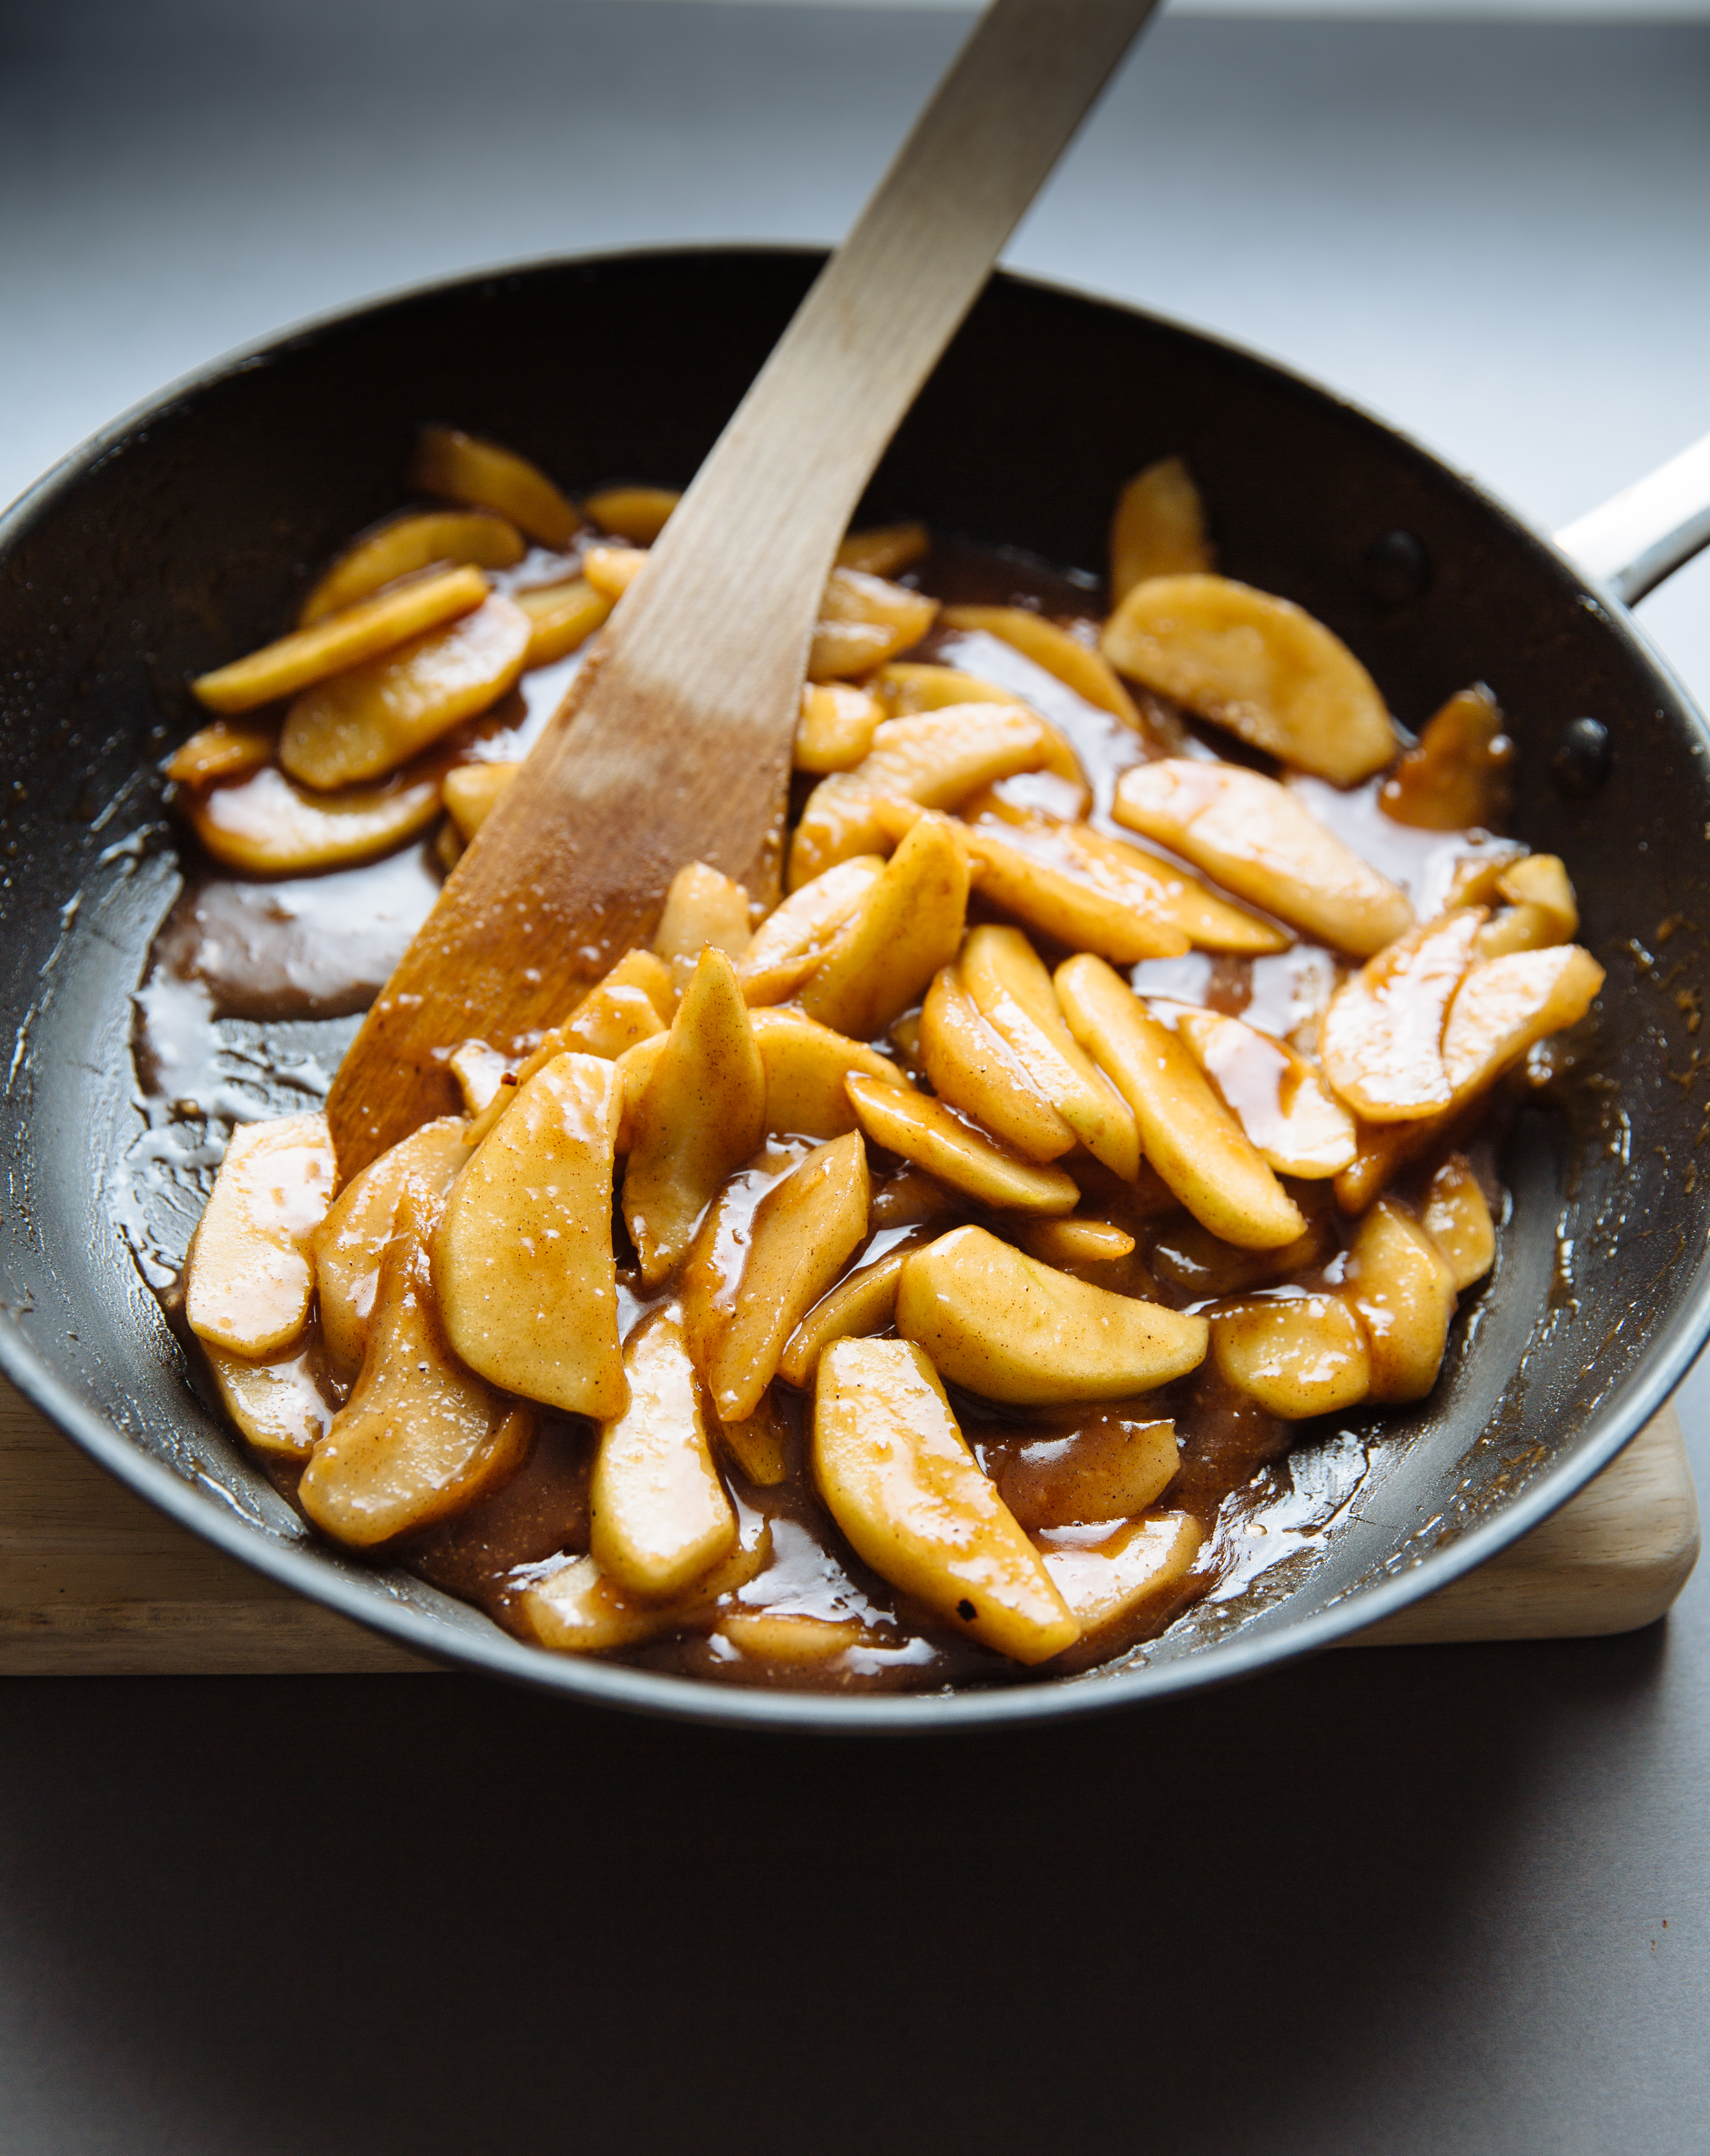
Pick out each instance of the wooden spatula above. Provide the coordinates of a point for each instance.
(675, 743)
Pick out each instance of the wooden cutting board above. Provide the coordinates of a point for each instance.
(94, 1582)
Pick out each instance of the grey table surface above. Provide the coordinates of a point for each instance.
(1407, 1902)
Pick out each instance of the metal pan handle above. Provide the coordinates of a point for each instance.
(1647, 531)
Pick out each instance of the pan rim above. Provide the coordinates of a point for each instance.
(301, 1568)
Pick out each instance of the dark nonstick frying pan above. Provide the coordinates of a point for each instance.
(181, 536)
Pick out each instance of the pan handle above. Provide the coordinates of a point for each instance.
(1647, 531)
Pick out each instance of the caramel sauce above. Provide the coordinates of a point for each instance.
(250, 998)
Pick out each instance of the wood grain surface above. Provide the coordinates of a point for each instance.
(94, 1582)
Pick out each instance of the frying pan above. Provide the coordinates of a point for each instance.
(182, 535)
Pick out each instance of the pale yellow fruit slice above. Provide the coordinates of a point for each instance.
(925, 1132)
(1192, 1139)
(1259, 665)
(864, 621)
(836, 728)
(703, 1114)
(789, 1638)
(1074, 1242)
(638, 514)
(276, 1404)
(1400, 1285)
(974, 1069)
(659, 1517)
(703, 906)
(935, 759)
(760, 1443)
(1541, 910)
(420, 1439)
(907, 924)
(579, 1608)
(805, 1065)
(1008, 982)
(403, 545)
(741, 1308)
(471, 792)
(369, 719)
(856, 1308)
(561, 618)
(265, 825)
(222, 750)
(1456, 1217)
(1279, 1098)
(344, 640)
(249, 1276)
(902, 1486)
(1457, 778)
(1110, 1467)
(909, 685)
(1380, 1040)
(998, 1321)
(1253, 837)
(793, 939)
(1074, 664)
(1158, 529)
(462, 467)
(480, 1069)
(1297, 1355)
(1103, 1582)
(611, 570)
(351, 1241)
(635, 1001)
(523, 1261)
(883, 549)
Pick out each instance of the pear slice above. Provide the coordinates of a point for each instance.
(1158, 529)
(1009, 1328)
(1009, 986)
(1380, 1040)
(974, 1069)
(522, 1258)
(1297, 1355)
(249, 1278)
(907, 924)
(1400, 1285)
(803, 1233)
(1189, 1137)
(401, 544)
(792, 939)
(1280, 1099)
(1259, 665)
(1105, 1581)
(703, 1114)
(1255, 837)
(580, 1609)
(462, 467)
(925, 1130)
(420, 1439)
(351, 1242)
(660, 1518)
(904, 1486)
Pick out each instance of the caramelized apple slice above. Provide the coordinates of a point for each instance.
(1077, 667)
(1259, 665)
(907, 924)
(1381, 1038)
(805, 1065)
(471, 789)
(864, 621)
(702, 907)
(1297, 1355)
(789, 1638)
(1189, 1137)
(660, 1519)
(1457, 778)
(936, 759)
(1010, 988)
(420, 1439)
(1101, 1582)
(351, 1241)
(702, 1113)
(369, 719)
(925, 1130)
(358, 634)
(902, 1486)
(836, 728)
(463, 468)
(974, 1070)
(265, 825)
(1107, 1465)
(249, 1278)
(403, 545)
(759, 1443)
(221, 750)
(1282, 1102)
(998, 1321)
(1074, 1242)
(561, 618)
(635, 1001)
(579, 1608)
(1257, 839)
(907, 686)
(793, 939)
(740, 1310)
(638, 514)
(611, 570)
(1541, 910)
(276, 1404)
(522, 1259)
(1456, 1217)
(1158, 529)
(856, 1307)
(883, 549)
(1400, 1285)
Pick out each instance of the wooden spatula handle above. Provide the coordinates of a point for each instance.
(674, 744)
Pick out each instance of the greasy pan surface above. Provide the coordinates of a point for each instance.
(180, 536)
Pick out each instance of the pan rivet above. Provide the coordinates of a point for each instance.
(1580, 763)
(1395, 568)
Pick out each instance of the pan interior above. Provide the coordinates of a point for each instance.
(182, 536)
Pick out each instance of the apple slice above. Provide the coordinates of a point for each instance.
(249, 1276)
